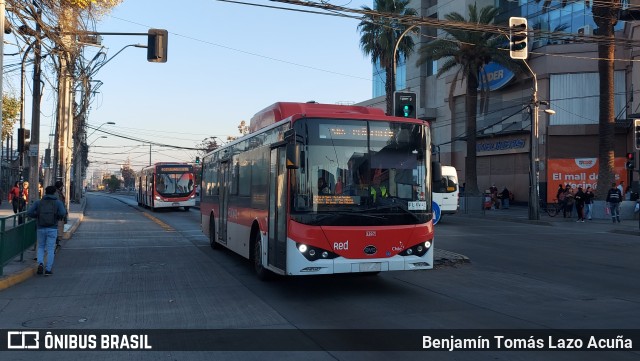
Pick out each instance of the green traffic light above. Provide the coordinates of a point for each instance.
(406, 110)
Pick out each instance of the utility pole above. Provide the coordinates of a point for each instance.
(64, 111)
(34, 148)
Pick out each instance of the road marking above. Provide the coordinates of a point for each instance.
(155, 220)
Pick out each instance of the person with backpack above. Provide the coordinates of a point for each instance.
(47, 212)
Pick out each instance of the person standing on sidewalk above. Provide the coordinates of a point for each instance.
(614, 197)
(47, 212)
(60, 193)
(579, 198)
(588, 202)
(568, 201)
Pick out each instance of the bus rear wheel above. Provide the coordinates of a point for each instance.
(262, 273)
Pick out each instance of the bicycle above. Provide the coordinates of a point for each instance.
(552, 209)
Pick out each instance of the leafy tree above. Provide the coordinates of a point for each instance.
(207, 145)
(112, 183)
(10, 113)
(605, 15)
(379, 35)
(468, 52)
(129, 176)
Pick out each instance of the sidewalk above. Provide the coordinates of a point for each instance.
(520, 213)
(17, 271)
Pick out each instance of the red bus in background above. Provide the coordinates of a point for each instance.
(322, 189)
(166, 185)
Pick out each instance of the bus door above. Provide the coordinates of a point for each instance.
(225, 183)
(277, 211)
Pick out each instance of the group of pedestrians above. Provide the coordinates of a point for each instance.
(49, 213)
(581, 199)
(498, 199)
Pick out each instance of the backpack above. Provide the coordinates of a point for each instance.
(47, 213)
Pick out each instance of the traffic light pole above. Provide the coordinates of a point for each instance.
(534, 205)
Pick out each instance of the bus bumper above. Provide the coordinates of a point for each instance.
(298, 265)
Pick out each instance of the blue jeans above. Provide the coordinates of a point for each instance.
(614, 208)
(47, 240)
(588, 208)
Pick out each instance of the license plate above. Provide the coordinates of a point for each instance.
(175, 204)
(370, 267)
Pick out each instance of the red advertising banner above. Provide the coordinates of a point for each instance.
(579, 172)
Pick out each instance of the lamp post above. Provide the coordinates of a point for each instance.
(395, 51)
(100, 126)
(100, 137)
(534, 198)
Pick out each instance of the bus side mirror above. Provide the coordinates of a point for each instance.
(436, 172)
(293, 155)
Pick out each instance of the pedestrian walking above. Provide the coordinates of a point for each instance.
(18, 199)
(47, 211)
(614, 197)
(588, 202)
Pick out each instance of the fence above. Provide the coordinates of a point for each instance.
(15, 237)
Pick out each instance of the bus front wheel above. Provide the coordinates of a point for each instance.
(262, 273)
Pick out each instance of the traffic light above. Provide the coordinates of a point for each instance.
(630, 163)
(197, 160)
(23, 139)
(157, 40)
(518, 38)
(405, 104)
(636, 129)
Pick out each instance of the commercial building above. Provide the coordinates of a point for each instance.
(567, 71)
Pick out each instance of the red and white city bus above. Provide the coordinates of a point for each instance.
(166, 185)
(323, 189)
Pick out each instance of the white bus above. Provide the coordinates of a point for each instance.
(446, 191)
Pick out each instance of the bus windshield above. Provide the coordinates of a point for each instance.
(174, 183)
(356, 172)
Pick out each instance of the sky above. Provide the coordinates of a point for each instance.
(225, 63)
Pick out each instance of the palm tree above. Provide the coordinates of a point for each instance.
(379, 35)
(605, 15)
(469, 52)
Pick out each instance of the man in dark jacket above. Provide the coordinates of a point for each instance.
(47, 212)
(614, 197)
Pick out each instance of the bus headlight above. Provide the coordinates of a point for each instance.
(418, 250)
(314, 253)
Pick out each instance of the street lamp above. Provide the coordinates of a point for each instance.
(100, 137)
(100, 126)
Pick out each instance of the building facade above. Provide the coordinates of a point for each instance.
(565, 61)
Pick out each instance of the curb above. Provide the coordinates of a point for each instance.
(67, 234)
(29, 271)
(16, 278)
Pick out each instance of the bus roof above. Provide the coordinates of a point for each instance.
(282, 110)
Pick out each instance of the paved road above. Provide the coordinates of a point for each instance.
(128, 268)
